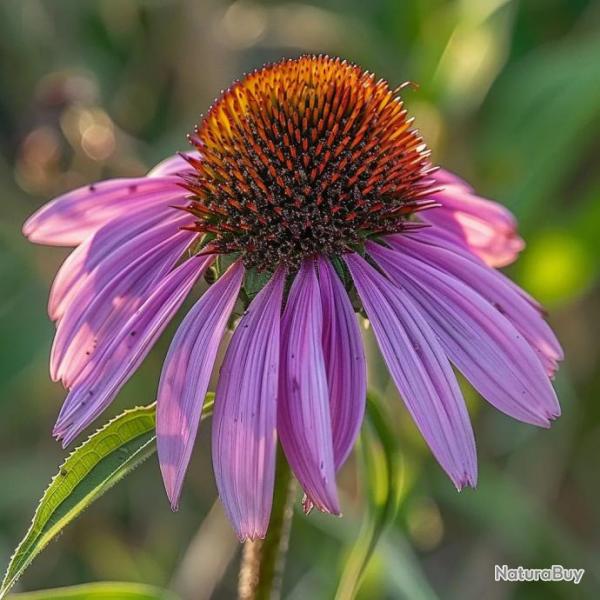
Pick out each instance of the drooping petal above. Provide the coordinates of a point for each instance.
(121, 232)
(104, 376)
(495, 288)
(461, 196)
(303, 416)
(185, 377)
(438, 237)
(420, 370)
(479, 340)
(344, 362)
(111, 294)
(71, 218)
(244, 438)
(173, 165)
(487, 228)
(445, 177)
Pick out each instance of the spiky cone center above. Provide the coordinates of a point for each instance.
(304, 157)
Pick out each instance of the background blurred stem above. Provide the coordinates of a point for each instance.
(263, 561)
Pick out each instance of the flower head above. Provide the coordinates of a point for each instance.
(305, 157)
(308, 197)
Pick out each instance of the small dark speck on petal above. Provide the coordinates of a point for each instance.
(499, 308)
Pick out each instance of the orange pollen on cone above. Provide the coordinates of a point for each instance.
(304, 157)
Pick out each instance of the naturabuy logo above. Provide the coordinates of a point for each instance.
(553, 573)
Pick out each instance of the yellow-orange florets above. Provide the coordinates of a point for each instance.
(303, 157)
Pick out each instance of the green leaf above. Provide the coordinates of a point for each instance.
(255, 281)
(383, 482)
(92, 469)
(99, 591)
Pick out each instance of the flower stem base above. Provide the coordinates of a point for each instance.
(263, 561)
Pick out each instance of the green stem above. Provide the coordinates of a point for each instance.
(263, 560)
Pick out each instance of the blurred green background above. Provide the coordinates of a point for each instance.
(509, 98)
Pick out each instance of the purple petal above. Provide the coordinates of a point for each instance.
(435, 236)
(71, 218)
(303, 418)
(111, 294)
(496, 289)
(185, 377)
(420, 370)
(444, 177)
(456, 198)
(479, 340)
(344, 362)
(119, 233)
(487, 228)
(103, 377)
(174, 165)
(244, 437)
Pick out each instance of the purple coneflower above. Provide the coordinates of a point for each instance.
(308, 198)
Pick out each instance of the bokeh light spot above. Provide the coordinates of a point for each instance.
(556, 267)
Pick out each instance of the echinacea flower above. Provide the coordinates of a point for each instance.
(308, 197)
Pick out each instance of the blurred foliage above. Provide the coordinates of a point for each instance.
(89, 472)
(99, 591)
(381, 481)
(509, 98)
